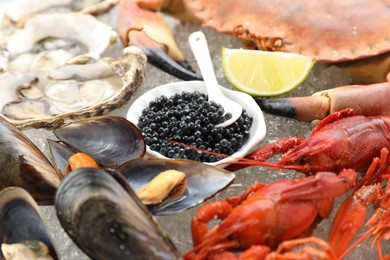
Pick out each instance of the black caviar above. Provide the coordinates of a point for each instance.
(190, 119)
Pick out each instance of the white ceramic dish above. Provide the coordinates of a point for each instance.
(257, 130)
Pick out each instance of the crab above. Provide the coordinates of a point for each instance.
(332, 31)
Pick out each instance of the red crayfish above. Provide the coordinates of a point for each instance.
(351, 214)
(259, 216)
(341, 140)
(278, 216)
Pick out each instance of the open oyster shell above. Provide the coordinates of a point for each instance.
(21, 10)
(76, 38)
(47, 98)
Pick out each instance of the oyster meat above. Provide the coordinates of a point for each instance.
(47, 98)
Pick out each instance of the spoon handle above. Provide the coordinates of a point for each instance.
(201, 52)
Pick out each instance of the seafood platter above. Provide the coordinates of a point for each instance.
(110, 148)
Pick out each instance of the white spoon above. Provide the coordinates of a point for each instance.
(201, 52)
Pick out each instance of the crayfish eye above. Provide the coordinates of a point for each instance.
(301, 161)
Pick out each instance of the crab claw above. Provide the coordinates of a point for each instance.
(369, 70)
(149, 31)
(367, 100)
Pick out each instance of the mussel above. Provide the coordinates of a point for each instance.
(110, 140)
(203, 181)
(108, 222)
(22, 164)
(21, 226)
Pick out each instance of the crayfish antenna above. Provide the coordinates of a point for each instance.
(243, 162)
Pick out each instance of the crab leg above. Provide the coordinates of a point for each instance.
(147, 30)
(367, 100)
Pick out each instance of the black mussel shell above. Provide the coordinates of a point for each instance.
(110, 140)
(204, 181)
(60, 153)
(108, 222)
(20, 219)
(22, 164)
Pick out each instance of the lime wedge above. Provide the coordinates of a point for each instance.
(263, 73)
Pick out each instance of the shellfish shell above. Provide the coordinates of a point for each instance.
(110, 140)
(21, 220)
(22, 164)
(26, 48)
(203, 181)
(48, 98)
(331, 31)
(108, 222)
(21, 10)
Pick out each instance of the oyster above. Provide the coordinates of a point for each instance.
(40, 45)
(47, 98)
(22, 164)
(21, 10)
(22, 230)
(108, 222)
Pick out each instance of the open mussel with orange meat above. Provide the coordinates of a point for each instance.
(23, 232)
(107, 221)
(118, 147)
(110, 140)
